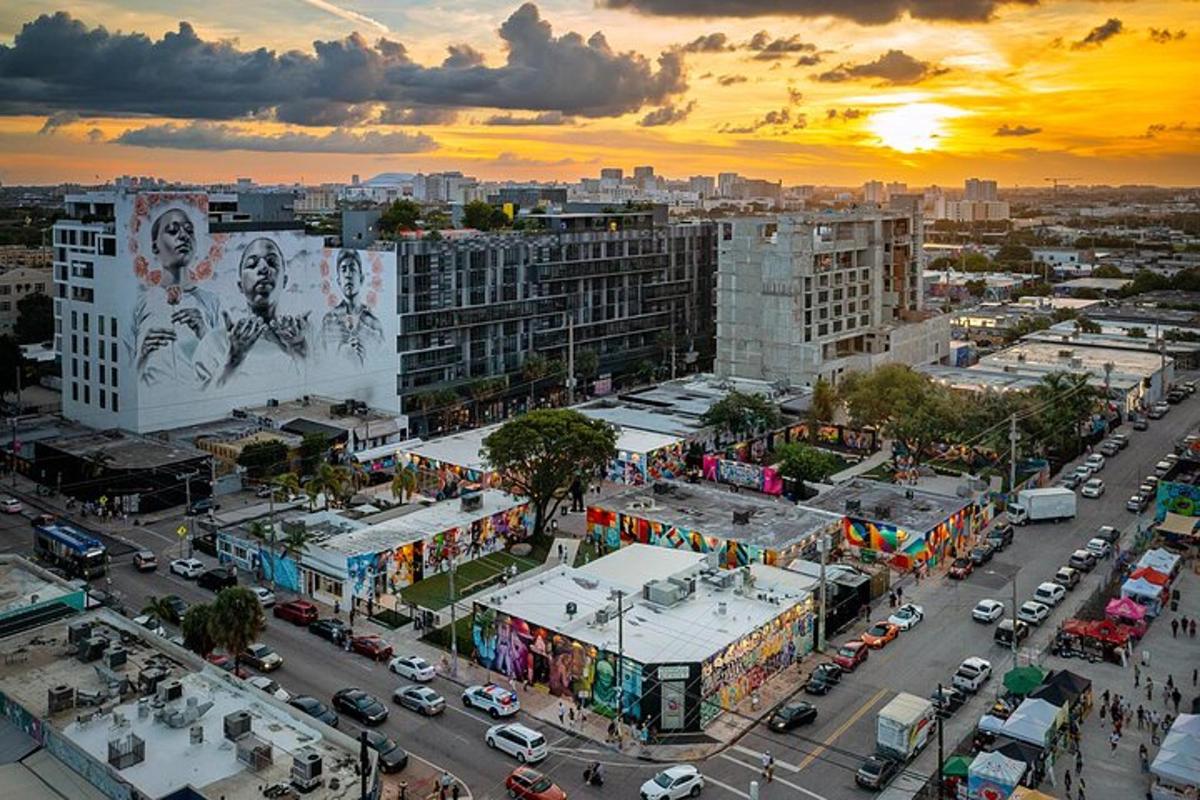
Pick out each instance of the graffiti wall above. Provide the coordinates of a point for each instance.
(908, 547)
(611, 529)
(1176, 498)
(760, 478)
(861, 440)
(730, 676)
(566, 667)
(637, 469)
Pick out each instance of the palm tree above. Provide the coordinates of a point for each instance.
(330, 481)
(404, 484)
(288, 482)
(295, 542)
(259, 530)
(358, 475)
(98, 462)
(235, 620)
(159, 608)
(195, 627)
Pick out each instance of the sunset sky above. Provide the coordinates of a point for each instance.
(809, 91)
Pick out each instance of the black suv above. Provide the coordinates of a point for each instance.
(1000, 536)
(216, 579)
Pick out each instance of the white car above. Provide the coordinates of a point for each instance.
(414, 668)
(682, 780)
(265, 684)
(972, 674)
(1099, 548)
(1033, 612)
(907, 616)
(1082, 472)
(521, 742)
(1093, 488)
(495, 700)
(1049, 593)
(187, 567)
(10, 505)
(987, 611)
(266, 598)
(151, 624)
(1095, 461)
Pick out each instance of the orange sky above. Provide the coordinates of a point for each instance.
(1020, 97)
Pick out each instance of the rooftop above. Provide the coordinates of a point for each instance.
(171, 760)
(889, 504)
(326, 412)
(420, 522)
(22, 585)
(663, 421)
(460, 449)
(774, 524)
(125, 450)
(1103, 284)
(692, 630)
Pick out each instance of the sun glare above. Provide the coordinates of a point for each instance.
(912, 127)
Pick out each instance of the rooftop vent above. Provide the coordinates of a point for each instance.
(471, 502)
(742, 517)
(126, 751)
(60, 698)
(306, 770)
(853, 506)
(237, 725)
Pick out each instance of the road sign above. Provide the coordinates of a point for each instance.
(103, 499)
(181, 531)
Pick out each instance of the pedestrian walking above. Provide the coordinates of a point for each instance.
(1144, 757)
(1104, 698)
(337, 607)
(1141, 718)
(1079, 761)
(351, 616)
(1195, 674)
(1067, 781)
(1103, 714)
(571, 716)
(899, 594)
(1137, 675)
(1175, 698)
(1113, 740)
(1166, 695)
(562, 713)
(1170, 681)
(1149, 689)
(1174, 628)
(1192, 629)
(768, 766)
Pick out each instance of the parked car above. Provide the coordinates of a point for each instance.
(961, 568)
(414, 668)
(265, 684)
(216, 579)
(264, 491)
(1082, 472)
(519, 741)
(1003, 635)
(1152, 482)
(421, 699)
(266, 598)
(1109, 448)
(1140, 423)
(987, 611)
(1081, 560)
(880, 634)
(178, 607)
(876, 772)
(495, 700)
(1093, 488)
(1095, 461)
(226, 663)
(981, 554)
(372, 646)
(792, 715)
(1137, 503)
(1033, 612)
(1050, 594)
(186, 567)
(145, 561)
(823, 678)
(262, 657)
(10, 505)
(391, 756)
(297, 612)
(150, 623)
(972, 674)
(1108, 534)
(1098, 548)
(1067, 577)
(947, 700)
(1070, 481)
(673, 783)
(202, 506)
(1163, 467)
(331, 629)
(851, 654)
(525, 783)
(364, 707)
(1121, 439)
(907, 616)
(315, 709)
(1000, 536)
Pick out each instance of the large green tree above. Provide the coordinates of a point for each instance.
(401, 215)
(537, 455)
(905, 405)
(235, 620)
(1053, 413)
(196, 626)
(263, 458)
(35, 320)
(739, 414)
(806, 463)
(314, 448)
(160, 608)
(479, 215)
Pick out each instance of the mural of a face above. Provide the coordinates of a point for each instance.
(349, 274)
(173, 239)
(262, 276)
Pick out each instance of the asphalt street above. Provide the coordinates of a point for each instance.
(816, 762)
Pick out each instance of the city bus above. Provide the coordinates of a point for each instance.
(70, 548)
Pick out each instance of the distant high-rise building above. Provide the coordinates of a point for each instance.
(896, 187)
(703, 185)
(725, 183)
(354, 180)
(873, 192)
(979, 190)
(612, 174)
(643, 173)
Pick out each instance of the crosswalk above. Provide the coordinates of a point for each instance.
(749, 760)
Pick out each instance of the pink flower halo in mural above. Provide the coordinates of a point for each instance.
(373, 277)
(147, 205)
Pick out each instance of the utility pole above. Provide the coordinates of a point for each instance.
(271, 503)
(571, 358)
(1012, 457)
(821, 638)
(673, 352)
(1015, 621)
(620, 657)
(941, 786)
(16, 416)
(453, 615)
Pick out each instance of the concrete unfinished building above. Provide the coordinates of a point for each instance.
(817, 295)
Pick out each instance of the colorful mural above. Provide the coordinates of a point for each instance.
(863, 440)
(1176, 498)
(910, 547)
(760, 478)
(610, 530)
(638, 469)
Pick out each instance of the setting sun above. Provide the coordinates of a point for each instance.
(912, 127)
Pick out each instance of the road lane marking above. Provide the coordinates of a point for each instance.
(726, 787)
(845, 726)
(762, 784)
(758, 754)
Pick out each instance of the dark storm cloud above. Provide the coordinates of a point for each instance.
(810, 60)
(424, 115)
(184, 76)
(865, 12)
(1166, 36)
(1016, 130)
(667, 115)
(782, 118)
(795, 96)
(769, 49)
(59, 119)
(895, 67)
(731, 80)
(712, 43)
(1099, 34)
(204, 135)
(545, 118)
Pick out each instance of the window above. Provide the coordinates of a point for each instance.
(103, 398)
(112, 349)
(87, 370)
(5, 289)
(102, 373)
(74, 368)
(116, 402)
(74, 320)
(75, 391)
(87, 345)
(112, 327)
(86, 320)
(100, 324)
(87, 394)
(115, 382)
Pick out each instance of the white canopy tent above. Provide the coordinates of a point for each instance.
(1178, 761)
(1160, 560)
(994, 775)
(1034, 722)
(1144, 592)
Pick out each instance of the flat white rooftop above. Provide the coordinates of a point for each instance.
(693, 630)
(461, 449)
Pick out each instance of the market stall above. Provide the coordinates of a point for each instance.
(1035, 721)
(954, 775)
(1149, 595)
(1176, 767)
(993, 776)
(1161, 560)
(1023, 680)
(1093, 640)
(1127, 612)
(1076, 687)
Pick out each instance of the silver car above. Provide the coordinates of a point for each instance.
(421, 699)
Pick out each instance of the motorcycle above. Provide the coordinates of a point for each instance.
(593, 777)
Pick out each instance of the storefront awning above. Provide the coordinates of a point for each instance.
(1178, 524)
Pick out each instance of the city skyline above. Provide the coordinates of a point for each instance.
(914, 91)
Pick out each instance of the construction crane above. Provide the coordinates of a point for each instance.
(1056, 180)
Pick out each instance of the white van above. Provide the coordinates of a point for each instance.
(519, 741)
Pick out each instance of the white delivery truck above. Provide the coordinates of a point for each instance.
(1041, 505)
(904, 727)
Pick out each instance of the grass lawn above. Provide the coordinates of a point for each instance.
(471, 576)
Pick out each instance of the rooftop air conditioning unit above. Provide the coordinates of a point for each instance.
(306, 770)
(663, 593)
(741, 517)
(471, 502)
(78, 632)
(92, 648)
(853, 506)
(170, 690)
(601, 617)
(237, 725)
(662, 487)
(61, 698)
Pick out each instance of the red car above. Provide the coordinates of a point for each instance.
(851, 654)
(226, 663)
(297, 612)
(371, 646)
(529, 784)
(879, 634)
(961, 568)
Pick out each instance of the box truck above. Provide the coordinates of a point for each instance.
(1041, 505)
(904, 727)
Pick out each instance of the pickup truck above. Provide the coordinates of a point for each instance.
(972, 674)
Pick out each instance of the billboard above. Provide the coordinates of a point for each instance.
(217, 320)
